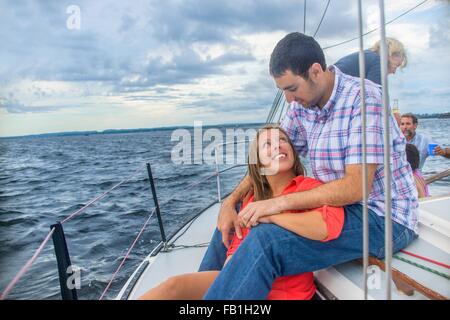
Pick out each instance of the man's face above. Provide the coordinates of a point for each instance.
(408, 127)
(297, 89)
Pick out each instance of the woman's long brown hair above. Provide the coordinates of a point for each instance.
(261, 187)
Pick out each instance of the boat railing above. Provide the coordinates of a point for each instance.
(57, 233)
(216, 162)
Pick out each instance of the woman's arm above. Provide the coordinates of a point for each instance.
(420, 188)
(308, 224)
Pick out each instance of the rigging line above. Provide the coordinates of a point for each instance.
(304, 16)
(72, 215)
(321, 19)
(418, 265)
(274, 106)
(127, 255)
(426, 259)
(373, 30)
(27, 266)
(274, 103)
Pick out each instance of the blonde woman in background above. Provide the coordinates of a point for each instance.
(397, 59)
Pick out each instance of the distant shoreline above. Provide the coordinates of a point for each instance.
(445, 115)
(121, 131)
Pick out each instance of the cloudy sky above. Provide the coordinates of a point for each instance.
(141, 64)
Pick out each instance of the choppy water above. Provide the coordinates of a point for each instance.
(43, 180)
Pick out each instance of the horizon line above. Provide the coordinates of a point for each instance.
(123, 130)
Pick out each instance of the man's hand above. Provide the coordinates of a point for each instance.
(253, 212)
(440, 151)
(228, 220)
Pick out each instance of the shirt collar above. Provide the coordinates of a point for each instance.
(332, 100)
(415, 138)
(294, 182)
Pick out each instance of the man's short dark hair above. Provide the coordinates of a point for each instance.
(413, 156)
(296, 52)
(413, 117)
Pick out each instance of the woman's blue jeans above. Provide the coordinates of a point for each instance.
(270, 251)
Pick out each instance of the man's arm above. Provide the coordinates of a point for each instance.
(227, 219)
(336, 193)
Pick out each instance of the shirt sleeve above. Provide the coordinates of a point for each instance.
(291, 124)
(334, 219)
(374, 129)
(333, 216)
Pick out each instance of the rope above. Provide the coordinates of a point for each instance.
(426, 259)
(126, 255)
(373, 30)
(185, 246)
(321, 19)
(71, 216)
(189, 187)
(30, 262)
(446, 276)
(142, 229)
(274, 104)
(275, 108)
(26, 267)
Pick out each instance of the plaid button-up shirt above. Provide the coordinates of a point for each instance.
(332, 137)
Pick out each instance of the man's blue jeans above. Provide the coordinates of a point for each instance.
(270, 251)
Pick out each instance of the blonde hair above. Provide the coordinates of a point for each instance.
(261, 187)
(395, 47)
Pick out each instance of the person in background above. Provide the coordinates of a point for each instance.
(408, 125)
(397, 59)
(412, 155)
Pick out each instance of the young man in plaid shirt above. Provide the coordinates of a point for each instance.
(324, 122)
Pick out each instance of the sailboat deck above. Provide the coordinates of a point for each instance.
(343, 281)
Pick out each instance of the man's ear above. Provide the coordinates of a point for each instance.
(315, 71)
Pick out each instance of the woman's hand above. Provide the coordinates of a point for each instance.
(227, 221)
(250, 216)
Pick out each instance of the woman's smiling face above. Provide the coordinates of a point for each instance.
(275, 152)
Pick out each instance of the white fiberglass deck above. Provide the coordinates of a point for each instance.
(178, 261)
(343, 281)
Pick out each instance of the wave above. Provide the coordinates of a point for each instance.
(14, 221)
